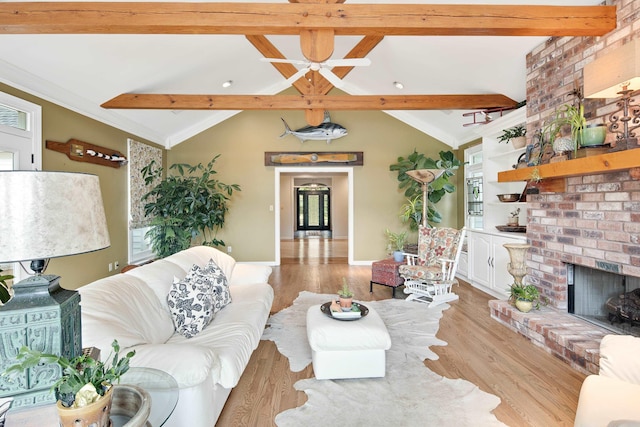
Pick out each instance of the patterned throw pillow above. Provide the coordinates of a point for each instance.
(190, 301)
(220, 285)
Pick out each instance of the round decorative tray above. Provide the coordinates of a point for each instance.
(355, 308)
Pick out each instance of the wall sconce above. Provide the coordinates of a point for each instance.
(614, 75)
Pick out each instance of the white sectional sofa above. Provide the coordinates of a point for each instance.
(132, 308)
(612, 398)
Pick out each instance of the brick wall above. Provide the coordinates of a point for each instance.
(596, 222)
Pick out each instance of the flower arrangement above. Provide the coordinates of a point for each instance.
(84, 380)
(515, 214)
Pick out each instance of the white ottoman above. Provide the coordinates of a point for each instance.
(347, 349)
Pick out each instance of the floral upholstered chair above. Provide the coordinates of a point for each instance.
(430, 275)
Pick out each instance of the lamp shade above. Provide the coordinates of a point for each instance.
(606, 76)
(50, 214)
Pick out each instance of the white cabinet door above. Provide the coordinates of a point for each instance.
(479, 258)
(488, 261)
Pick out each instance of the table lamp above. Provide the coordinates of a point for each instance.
(614, 75)
(44, 215)
(424, 177)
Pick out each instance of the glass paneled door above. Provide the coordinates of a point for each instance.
(313, 209)
(20, 146)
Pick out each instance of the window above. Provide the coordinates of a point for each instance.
(13, 118)
(20, 146)
(140, 155)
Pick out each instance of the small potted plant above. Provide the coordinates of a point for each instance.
(396, 242)
(524, 297)
(514, 218)
(6, 291)
(85, 390)
(516, 135)
(346, 295)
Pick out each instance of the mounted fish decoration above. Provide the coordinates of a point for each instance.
(324, 131)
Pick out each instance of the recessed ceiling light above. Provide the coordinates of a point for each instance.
(227, 84)
(398, 85)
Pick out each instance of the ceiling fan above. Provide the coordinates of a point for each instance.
(321, 67)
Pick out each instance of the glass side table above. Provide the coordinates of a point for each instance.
(163, 389)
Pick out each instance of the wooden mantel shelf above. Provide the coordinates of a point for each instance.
(610, 162)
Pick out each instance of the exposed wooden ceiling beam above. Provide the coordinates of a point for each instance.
(291, 18)
(304, 102)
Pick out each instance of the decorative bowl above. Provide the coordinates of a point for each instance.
(513, 197)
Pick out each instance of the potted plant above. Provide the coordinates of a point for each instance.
(6, 291)
(397, 241)
(345, 295)
(517, 136)
(514, 218)
(524, 297)
(185, 205)
(568, 129)
(85, 390)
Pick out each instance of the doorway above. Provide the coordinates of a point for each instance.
(311, 212)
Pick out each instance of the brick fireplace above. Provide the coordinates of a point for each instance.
(595, 221)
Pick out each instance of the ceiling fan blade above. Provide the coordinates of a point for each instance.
(333, 79)
(297, 75)
(348, 62)
(285, 61)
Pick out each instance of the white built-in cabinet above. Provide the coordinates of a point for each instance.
(486, 258)
(487, 269)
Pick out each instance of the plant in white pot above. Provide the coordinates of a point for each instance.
(85, 390)
(524, 297)
(516, 135)
(397, 242)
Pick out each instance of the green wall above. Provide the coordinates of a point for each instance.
(242, 141)
(60, 124)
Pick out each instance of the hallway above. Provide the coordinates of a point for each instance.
(314, 250)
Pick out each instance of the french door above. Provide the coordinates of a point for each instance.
(313, 209)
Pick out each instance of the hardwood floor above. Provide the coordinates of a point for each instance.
(536, 389)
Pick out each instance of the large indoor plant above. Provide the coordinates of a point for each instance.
(189, 203)
(85, 389)
(411, 211)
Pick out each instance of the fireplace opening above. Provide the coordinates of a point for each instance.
(604, 298)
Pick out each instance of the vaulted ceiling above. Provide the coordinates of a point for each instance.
(54, 58)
